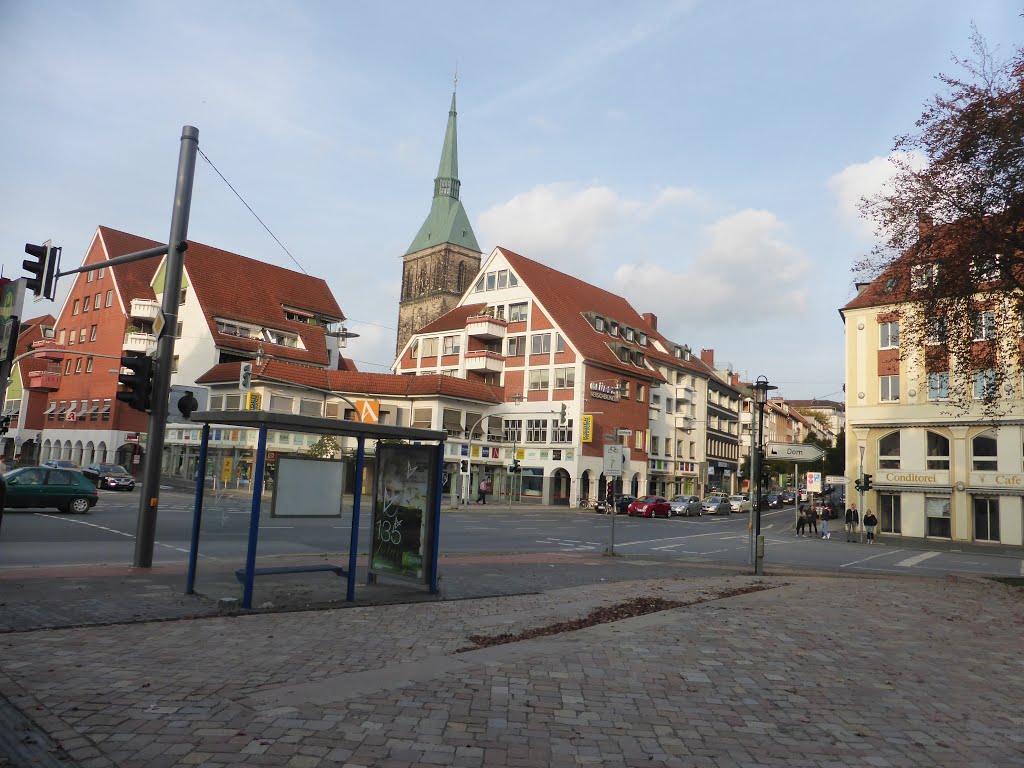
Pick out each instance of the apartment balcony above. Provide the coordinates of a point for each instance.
(48, 344)
(44, 381)
(144, 309)
(686, 423)
(484, 327)
(685, 394)
(484, 360)
(140, 342)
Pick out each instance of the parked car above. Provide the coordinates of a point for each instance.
(740, 504)
(717, 505)
(684, 505)
(45, 487)
(111, 476)
(61, 464)
(649, 506)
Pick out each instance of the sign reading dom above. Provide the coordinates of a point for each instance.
(404, 505)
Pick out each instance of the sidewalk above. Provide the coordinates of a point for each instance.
(811, 671)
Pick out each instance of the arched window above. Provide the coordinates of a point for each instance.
(938, 451)
(983, 451)
(889, 451)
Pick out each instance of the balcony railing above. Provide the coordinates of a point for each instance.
(484, 327)
(484, 360)
(140, 342)
(686, 423)
(44, 381)
(144, 309)
(48, 344)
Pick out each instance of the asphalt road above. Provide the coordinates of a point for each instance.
(106, 535)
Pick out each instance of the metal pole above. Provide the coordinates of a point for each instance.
(796, 498)
(353, 541)
(860, 500)
(254, 517)
(197, 513)
(758, 541)
(173, 267)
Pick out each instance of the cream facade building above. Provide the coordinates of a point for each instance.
(938, 472)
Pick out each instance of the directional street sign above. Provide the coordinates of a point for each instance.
(623, 432)
(836, 480)
(793, 451)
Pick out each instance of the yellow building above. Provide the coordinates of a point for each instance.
(938, 471)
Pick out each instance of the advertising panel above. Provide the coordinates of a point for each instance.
(404, 502)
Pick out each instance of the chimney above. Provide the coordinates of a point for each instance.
(924, 223)
(652, 319)
(707, 356)
(734, 380)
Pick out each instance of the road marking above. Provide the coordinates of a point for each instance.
(527, 529)
(669, 538)
(855, 562)
(108, 530)
(911, 561)
(277, 527)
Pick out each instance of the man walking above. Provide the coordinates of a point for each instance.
(852, 521)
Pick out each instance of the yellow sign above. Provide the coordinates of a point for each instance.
(253, 401)
(369, 411)
(225, 471)
(587, 428)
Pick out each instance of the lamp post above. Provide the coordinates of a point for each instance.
(761, 389)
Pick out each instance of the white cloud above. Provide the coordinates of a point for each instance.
(744, 266)
(862, 180)
(561, 223)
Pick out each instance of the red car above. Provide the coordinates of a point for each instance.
(649, 506)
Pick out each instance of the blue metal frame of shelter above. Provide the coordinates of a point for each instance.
(265, 421)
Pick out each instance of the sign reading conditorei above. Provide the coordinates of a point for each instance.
(404, 503)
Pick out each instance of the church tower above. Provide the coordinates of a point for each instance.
(444, 256)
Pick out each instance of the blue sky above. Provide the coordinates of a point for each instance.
(701, 159)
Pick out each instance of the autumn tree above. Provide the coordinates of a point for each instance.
(950, 231)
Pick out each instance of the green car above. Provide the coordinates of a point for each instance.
(66, 489)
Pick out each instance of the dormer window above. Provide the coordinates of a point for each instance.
(890, 285)
(923, 276)
(599, 324)
(643, 339)
(985, 269)
(613, 329)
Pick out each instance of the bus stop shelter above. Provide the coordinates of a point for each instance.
(264, 421)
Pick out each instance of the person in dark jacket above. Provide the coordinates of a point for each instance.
(801, 521)
(870, 521)
(852, 521)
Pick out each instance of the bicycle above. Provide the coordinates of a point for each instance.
(584, 502)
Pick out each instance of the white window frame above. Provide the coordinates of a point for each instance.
(541, 340)
(985, 384)
(938, 386)
(539, 379)
(983, 324)
(889, 335)
(885, 388)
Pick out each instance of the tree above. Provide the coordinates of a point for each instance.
(951, 231)
(325, 448)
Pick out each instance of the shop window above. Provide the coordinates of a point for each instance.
(983, 452)
(889, 451)
(938, 451)
(890, 517)
(936, 510)
(986, 519)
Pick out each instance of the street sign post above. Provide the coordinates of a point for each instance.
(836, 480)
(616, 459)
(793, 451)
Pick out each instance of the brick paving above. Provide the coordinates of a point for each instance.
(817, 671)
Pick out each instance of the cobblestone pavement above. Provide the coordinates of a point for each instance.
(816, 671)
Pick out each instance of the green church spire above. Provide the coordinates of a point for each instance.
(447, 221)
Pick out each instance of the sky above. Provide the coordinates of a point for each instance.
(701, 158)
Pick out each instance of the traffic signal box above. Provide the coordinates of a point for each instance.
(41, 268)
(138, 382)
(863, 483)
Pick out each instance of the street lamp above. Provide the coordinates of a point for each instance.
(761, 389)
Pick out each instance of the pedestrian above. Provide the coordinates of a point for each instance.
(812, 520)
(824, 527)
(852, 520)
(484, 488)
(801, 521)
(870, 521)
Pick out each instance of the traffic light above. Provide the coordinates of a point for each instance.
(611, 488)
(857, 485)
(42, 268)
(465, 466)
(187, 404)
(138, 382)
(245, 376)
(562, 414)
(867, 482)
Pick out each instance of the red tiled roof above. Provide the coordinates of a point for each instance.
(566, 298)
(238, 288)
(354, 382)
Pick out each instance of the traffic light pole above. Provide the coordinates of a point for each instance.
(176, 245)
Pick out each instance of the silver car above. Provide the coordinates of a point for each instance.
(717, 504)
(684, 505)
